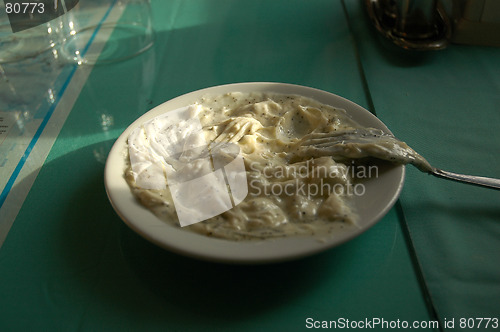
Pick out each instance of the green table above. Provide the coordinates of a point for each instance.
(67, 261)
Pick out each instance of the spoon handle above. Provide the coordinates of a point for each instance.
(476, 180)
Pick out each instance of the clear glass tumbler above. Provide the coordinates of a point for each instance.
(105, 31)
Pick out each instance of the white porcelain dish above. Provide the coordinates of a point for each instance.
(380, 194)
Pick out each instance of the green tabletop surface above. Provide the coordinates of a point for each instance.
(68, 262)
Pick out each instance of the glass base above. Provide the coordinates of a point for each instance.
(92, 45)
(25, 44)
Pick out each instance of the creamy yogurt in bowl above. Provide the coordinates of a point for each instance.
(276, 205)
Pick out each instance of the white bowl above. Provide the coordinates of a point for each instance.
(380, 193)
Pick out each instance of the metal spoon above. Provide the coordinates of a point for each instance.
(371, 142)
